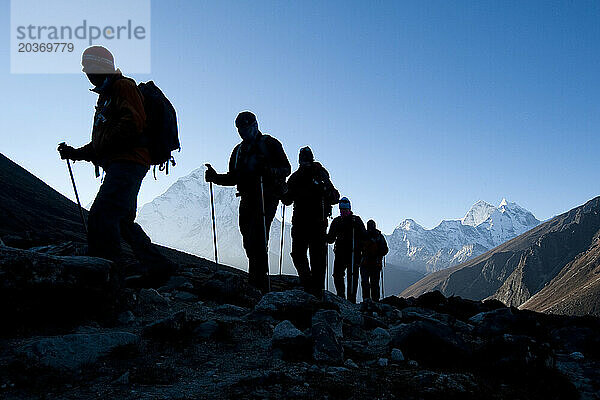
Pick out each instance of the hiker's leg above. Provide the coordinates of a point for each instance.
(375, 288)
(353, 274)
(145, 252)
(364, 281)
(318, 258)
(339, 272)
(106, 213)
(252, 227)
(299, 249)
(247, 230)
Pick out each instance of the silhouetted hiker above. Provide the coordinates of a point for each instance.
(118, 128)
(374, 249)
(348, 232)
(258, 166)
(313, 194)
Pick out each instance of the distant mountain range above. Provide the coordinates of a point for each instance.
(454, 241)
(554, 267)
(181, 218)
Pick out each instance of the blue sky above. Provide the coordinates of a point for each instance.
(417, 109)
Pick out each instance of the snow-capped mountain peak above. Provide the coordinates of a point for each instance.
(478, 213)
(409, 224)
(454, 241)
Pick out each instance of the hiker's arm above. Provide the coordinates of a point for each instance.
(86, 153)
(280, 167)
(331, 235)
(124, 130)
(290, 194)
(228, 179)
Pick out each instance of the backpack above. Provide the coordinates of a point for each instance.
(279, 184)
(161, 133)
(330, 194)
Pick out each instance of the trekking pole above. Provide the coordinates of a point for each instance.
(262, 198)
(351, 275)
(282, 236)
(327, 266)
(77, 196)
(214, 224)
(382, 273)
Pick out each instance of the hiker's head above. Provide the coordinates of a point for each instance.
(98, 63)
(246, 125)
(345, 207)
(371, 226)
(306, 157)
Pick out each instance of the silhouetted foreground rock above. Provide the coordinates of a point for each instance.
(206, 334)
(71, 352)
(36, 288)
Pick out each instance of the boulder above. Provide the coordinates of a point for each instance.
(398, 302)
(380, 338)
(288, 342)
(228, 287)
(126, 318)
(583, 339)
(207, 330)
(506, 320)
(431, 300)
(396, 355)
(62, 249)
(71, 352)
(177, 282)
(294, 305)
(430, 342)
(231, 310)
(37, 289)
(152, 297)
(350, 312)
(185, 296)
(514, 353)
(331, 318)
(326, 348)
(171, 328)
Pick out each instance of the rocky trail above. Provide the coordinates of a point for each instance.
(71, 330)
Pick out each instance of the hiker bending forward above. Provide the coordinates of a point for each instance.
(348, 232)
(115, 146)
(313, 194)
(374, 249)
(258, 167)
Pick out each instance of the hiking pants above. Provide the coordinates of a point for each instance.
(369, 280)
(343, 262)
(113, 213)
(310, 237)
(252, 227)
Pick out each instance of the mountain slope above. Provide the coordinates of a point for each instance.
(34, 210)
(455, 241)
(181, 218)
(520, 268)
(575, 290)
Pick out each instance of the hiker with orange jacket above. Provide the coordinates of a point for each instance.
(117, 147)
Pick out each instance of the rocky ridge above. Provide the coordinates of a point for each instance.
(206, 334)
